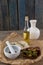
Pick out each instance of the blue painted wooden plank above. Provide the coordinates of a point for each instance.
(13, 14)
(26, 7)
(21, 4)
(1, 22)
(30, 8)
(5, 19)
(39, 13)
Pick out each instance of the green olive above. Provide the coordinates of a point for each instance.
(34, 54)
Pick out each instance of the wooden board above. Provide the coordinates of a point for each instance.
(19, 61)
(39, 13)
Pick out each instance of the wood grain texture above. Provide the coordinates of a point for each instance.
(1, 22)
(3, 34)
(39, 13)
(4, 9)
(30, 8)
(21, 5)
(13, 14)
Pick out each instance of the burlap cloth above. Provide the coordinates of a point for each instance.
(20, 60)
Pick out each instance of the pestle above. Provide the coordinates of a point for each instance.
(10, 47)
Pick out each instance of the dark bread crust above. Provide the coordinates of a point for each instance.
(34, 52)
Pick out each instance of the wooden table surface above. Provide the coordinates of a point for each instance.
(3, 34)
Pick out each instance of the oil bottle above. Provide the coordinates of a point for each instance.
(26, 32)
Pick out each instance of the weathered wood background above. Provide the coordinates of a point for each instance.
(12, 13)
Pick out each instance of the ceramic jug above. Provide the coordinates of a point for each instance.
(34, 31)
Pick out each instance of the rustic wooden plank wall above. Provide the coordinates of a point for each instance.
(21, 5)
(30, 8)
(12, 13)
(26, 7)
(1, 23)
(39, 13)
(4, 9)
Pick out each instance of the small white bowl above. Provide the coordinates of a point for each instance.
(10, 55)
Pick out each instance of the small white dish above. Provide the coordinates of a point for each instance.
(9, 54)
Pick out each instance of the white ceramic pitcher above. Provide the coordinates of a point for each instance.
(34, 31)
